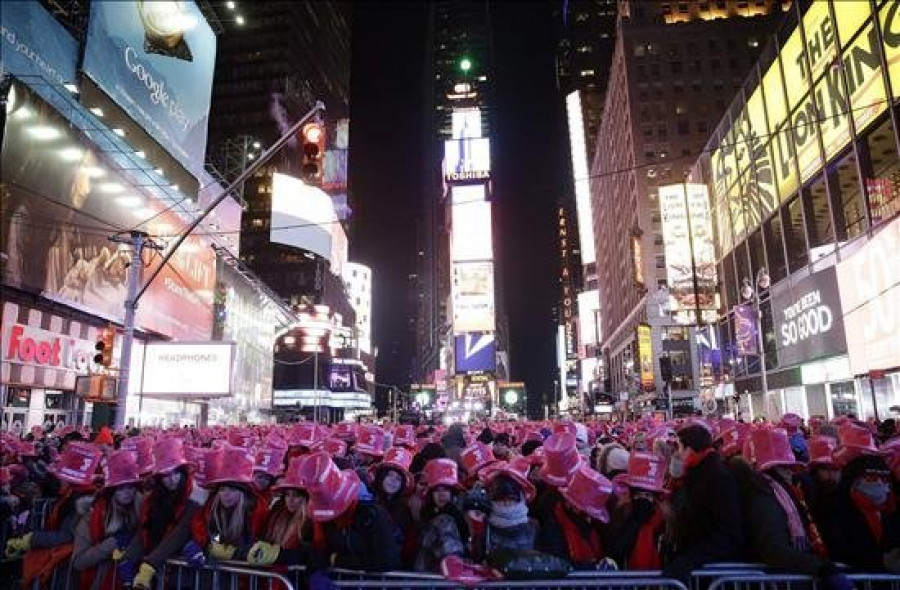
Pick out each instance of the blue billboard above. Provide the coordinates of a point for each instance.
(475, 352)
(156, 60)
(35, 44)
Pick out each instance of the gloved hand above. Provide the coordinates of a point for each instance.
(18, 545)
(125, 572)
(118, 554)
(262, 553)
(837, 581)
(320, 581)
(193, 554)
(220, 551)
(144, 577)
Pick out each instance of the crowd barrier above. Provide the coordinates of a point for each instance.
(796, 582)
(179, 575)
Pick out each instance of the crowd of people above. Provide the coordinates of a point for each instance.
(467, 501)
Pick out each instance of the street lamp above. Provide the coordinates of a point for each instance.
(748, 292)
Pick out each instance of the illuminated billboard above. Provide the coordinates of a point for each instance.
(468, 193)
(802, 100)
(302, 216)
(645, 357)
(581, 177)
(689, 250)
(473, 297)
(202, 369)
(471, 235)
(467, 159)
(358, 280)
(588, 317)
(475, 352)
(466, 123)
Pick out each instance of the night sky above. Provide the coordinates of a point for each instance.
(530, 160)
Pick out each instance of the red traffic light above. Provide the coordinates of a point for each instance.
(313, 150)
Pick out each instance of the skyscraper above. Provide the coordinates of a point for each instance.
(675, 67)
(457, 277)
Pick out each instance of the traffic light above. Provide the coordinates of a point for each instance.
(465, 64)
(104, 347)
(665, 368)
(313, 135)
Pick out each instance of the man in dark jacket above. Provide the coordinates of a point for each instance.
(707, 510)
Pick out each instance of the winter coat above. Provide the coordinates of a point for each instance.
(441, 536)
(707, 523)
(202, 526)
(362, 539)
(850, 540)
(582, 546)
(630, 523)
(521, 536)
(93, 548)
(175, 533)
(404, 527)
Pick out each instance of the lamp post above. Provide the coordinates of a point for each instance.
(751, 292)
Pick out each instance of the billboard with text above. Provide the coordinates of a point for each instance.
(467, 159)
(473, 297)
(475, 352)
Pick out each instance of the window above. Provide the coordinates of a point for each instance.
(639, 50)
(794, 236)
(585, 73)
(775, 249)
(684, 127)
(701, 127)
(676, 67)
(819, 228)
(881, 169)
(757, 254)
(647, 131)
(846, 200)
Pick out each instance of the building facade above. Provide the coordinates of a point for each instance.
(802, 173)
(668, 84)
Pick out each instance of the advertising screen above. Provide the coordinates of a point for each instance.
(745, 335)
(869, 283)
(473, 297)
(808, 319)
(471, 236)
(61, 203)
(468, 193)
(200, 369)
(358, 281)
(689, 248)
(645, 357)
(580, 176)
(466, 123)
(302, 216)
(467, 159)
(588, 316)
(156, 61)
(475, 352)
(34, 44)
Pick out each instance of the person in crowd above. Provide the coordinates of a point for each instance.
(639, 524)
(561, 460)
(350, 530)
(824, 476)
(707, 524)
(392, 483)
(454, 441)
(502, 447)
(793, 424)
(613, 460)
(369, 449)
(428, 452)
(508, 525)
(780, 529)
(105, 532)
(166, 514)
(444, 530)
(268, 467)
(863, 529)
(486, 436)
(232, 518)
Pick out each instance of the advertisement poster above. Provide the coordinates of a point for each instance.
(188, 369)
(302, 216)
(471, 234)
(745, 328)
(645, 357)
(808, 318)
(34, 44)
(61, 204)
(473, 297)
(475, 352)
(156, 60)
(467, 159)
(689, 249)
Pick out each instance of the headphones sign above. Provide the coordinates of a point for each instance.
(809, 319)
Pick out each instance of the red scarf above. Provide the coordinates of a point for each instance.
(97, 530)
(581, 549)
(202, 518)
(176, 517)
(871, 512)
(645, 554)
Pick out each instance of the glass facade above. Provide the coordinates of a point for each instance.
(804, 163)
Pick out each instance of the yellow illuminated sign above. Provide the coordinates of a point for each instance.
(645, 357)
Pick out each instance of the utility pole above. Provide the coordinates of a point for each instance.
(135, 293)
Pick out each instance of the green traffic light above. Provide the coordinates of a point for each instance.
(465, 64)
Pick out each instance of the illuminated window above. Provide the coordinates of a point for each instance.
(753, 42)
(585, 49)
(585, 73)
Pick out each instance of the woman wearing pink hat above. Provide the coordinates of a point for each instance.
(232, 518)
(392, 483)
(444, 528)
(640, 523)
(508, 525)
(106, 531)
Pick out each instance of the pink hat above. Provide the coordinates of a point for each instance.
(77, 464)
(236, 467)
(241, 438)
(476, 457)
(821, 449)
(331, 491)
(771, 448)
(561, 459)
(370, 441)
(121, 469)
(891, 452)
(537, 457)
(588, 491)
(791, 421)
(855, 441)
(306, 434)
(335, 447)
(467, 572)
(142, 446)
(733, 438)
(646, 471)
(205, 461)
(292, 479)
(270, 460)
(26, 449)
(398, 458)
(168, 455)
(517, 470)
(565, 426)
(345, 431)
(441, 472)
(405, 436)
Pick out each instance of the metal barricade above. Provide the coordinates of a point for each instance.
(605, 581)
(702, 578)
(179, 575)
(863, 581)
